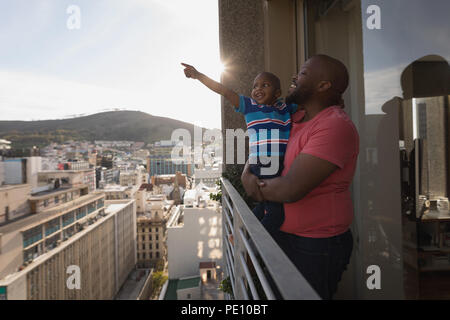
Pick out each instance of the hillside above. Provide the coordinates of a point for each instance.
(114, 125)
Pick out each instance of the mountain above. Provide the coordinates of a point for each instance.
(114, 125)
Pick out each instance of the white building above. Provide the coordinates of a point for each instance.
(194, 236)
(209, 175)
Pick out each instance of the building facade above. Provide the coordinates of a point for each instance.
(39, 253)
(152, 232)
(163, 166)
(194, 236)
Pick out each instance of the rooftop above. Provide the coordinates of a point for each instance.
(178, 284)
(43, 194)
(29, 220)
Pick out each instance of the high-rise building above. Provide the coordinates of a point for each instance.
(68, 230)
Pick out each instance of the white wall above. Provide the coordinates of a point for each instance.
(13, 172)
(199, 240)
(34, 165)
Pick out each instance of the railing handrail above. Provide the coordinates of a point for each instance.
(288, 280)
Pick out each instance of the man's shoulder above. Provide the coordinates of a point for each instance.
(335, 117)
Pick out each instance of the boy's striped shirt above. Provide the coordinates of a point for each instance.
(268, 126)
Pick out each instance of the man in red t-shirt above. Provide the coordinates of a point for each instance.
(319, 165)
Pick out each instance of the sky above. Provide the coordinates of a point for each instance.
(407, 33)
(61, 58)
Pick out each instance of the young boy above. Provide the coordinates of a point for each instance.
(268, 122)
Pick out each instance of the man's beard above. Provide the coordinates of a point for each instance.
(299, 96)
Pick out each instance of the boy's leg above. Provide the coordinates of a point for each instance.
(259, 210)
(274, 211)
(273, 217)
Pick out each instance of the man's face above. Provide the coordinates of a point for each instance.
(264, 91)
(302, 87)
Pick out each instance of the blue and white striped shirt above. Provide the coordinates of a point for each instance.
(268, 126)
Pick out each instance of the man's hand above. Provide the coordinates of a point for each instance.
(251, 184)
(190, 71)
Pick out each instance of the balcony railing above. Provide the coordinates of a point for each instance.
(257, 267)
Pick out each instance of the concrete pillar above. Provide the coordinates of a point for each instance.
(241, 32)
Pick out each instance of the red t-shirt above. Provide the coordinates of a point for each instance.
(327, 210)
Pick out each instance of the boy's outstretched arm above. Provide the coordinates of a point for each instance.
(215, 86)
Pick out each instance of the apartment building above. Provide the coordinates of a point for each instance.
(37, 253)
(72, 177)
(134, 177)
(152, 231)
(161, 165)
(118, 192)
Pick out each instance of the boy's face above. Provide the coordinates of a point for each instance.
(264, 92)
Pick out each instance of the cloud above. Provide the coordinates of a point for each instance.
(380, 87)
(26, 96)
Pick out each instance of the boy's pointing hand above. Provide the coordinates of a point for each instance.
(190, 71)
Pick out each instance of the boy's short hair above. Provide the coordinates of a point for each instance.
(273, 79)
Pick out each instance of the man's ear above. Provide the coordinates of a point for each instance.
(323, 85)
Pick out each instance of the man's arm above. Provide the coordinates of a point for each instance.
(306, 173)
(215, 86)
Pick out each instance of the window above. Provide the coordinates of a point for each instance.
(188, 296)
(150, 237)
(143, 238)
(149, 229)
(156, 230)
(81, 212)
(151, 247)
(143, 246)
(143, 229)
(157, 246)
(143, 256)
(45, 202)
(56, 200)
(157, 254)
(52, 226)
(32, 235)
(68, 218)
(157, 237)
(151, 255)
